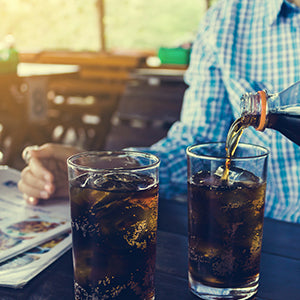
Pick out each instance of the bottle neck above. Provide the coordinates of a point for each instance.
(257, 109)
(254, 109)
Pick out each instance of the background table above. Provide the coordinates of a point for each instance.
(280, 264)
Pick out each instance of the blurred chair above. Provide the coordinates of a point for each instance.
(151, 103)
(80, 108)
(23, 115)
(11, 114)
(13, 117)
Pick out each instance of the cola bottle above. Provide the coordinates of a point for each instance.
(279, 111)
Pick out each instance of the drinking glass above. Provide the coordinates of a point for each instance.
(114, 203)
(225, 220)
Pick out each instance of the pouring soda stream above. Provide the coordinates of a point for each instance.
(279, 111)
(226, 198)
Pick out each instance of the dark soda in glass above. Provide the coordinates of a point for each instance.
(225, 228)
(114, 225)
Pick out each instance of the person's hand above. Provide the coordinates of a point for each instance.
(46, 175)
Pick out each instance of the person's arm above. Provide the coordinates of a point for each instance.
(45, 176)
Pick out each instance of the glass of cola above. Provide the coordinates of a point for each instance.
(114, 203)
(225, 220)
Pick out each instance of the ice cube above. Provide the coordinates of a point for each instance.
(123, 182)
(237, 175)
(240, 175)
(219, 172)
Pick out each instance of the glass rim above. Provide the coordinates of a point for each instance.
(265, 151)
(112, 153)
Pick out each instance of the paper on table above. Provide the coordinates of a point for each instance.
(19, 270)
(22, 226)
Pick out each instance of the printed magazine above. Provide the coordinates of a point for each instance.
(24, 227)
(17, 271)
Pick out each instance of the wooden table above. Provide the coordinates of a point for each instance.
(280, 265)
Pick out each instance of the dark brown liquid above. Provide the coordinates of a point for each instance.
(114, 224)
(225, 229)
(233, 137)
(287, 122)
(226, 221)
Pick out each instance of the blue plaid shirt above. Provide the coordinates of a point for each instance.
(241, 46)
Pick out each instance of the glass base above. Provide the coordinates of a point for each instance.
(80, 293)
(212, 293)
